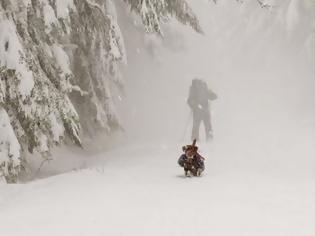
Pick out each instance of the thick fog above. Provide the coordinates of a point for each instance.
(254, 59)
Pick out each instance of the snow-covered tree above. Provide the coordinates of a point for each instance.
(155, 12)
(34, 86)
(59, 69)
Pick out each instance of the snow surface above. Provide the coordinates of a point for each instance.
(140, 190)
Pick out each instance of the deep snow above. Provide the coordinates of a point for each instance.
(140, 190)
(259, 177)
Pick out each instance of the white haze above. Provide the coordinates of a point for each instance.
(265, 112)
(259, 176)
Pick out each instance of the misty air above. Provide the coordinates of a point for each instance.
(157, 117)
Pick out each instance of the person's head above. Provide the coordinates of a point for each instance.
(195, 82)
(199, 83)
(190, 150)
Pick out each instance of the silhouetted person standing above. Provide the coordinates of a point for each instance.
(198, 101)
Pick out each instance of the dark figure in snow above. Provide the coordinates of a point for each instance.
(198, 101)
(191, 160)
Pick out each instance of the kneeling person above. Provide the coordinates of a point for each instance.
(191, 160)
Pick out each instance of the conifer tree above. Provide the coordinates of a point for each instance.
(59, 69)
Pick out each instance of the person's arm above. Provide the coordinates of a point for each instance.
(181, 160)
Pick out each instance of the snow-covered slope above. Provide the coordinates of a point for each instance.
(139, 190)
(259, 177)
